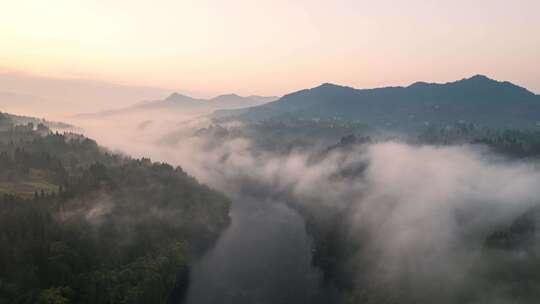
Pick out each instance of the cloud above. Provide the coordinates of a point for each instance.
(428, 210)
(417, 216)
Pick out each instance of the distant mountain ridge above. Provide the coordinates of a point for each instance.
(180, 102)
(478, 99)
(25, 120)
(36, 95)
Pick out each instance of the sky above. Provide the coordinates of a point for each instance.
(271, 47)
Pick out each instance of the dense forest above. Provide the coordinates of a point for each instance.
(515, 143)
(81, 225)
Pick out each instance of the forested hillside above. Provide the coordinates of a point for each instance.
(81, 225)
(477, 99)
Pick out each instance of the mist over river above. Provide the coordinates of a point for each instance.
(263, 257)
(400, 220)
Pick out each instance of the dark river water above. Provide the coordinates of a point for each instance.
(263, 257)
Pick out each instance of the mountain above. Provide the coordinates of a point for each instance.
(232, 101)
(479, 100)
(182, 103)
(40, 95)
(226, 101)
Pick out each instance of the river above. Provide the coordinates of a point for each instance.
(263, 257)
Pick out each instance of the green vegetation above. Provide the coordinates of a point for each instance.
(511, 142)
(81, 225)
(25, 120)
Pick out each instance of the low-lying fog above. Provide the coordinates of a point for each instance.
(420, 211)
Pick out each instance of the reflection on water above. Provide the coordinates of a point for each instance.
(263, 257)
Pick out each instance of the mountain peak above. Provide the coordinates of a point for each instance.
(485, 83)
(176, 96)
(420, 84)
(227, 98)
(482, 81)
(231, 95)
(329, 85)
(480, 77)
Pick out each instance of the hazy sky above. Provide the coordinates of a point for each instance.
(272, 46)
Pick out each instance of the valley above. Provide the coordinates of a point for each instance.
(287, 208)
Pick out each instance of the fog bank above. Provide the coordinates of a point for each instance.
(418, 216)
